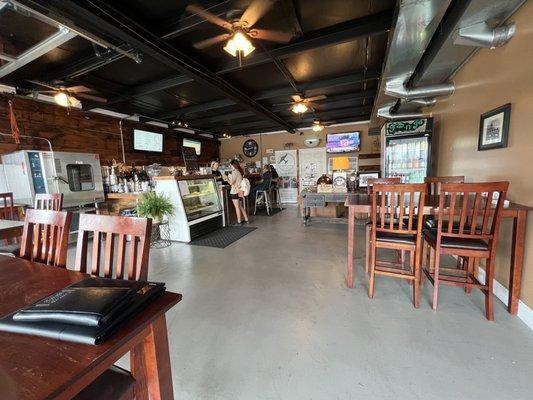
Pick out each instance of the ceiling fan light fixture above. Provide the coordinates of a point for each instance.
(317, 126)
(62, 99)
(239, 43)
(299, 108)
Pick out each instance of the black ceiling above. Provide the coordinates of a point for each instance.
(337, 50)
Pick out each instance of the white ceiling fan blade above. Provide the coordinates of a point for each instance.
(43, 84)
(202, 44)
(255, 11)
(297, 98)
(271, 36)
(208, 16)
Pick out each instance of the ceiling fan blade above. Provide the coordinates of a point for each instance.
(271, 36)
(202, 44)
(43, 84)
(208, 16)
(296, 98)
(316, 98)
(78, 89)
(255, 11)
(98, 99)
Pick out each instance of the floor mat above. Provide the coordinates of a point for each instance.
(223, 237)
(262, 212)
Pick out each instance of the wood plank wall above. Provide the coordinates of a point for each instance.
(89, 132)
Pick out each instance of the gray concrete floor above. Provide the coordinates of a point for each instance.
(270, 317)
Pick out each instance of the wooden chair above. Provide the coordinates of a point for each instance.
(114, 380)
(139, 229)
(49, 201)
(394, 210)
(7, 209)
(45, 237)
(468, 222)
(368, 228)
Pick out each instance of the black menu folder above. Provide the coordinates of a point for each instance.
(142, 294)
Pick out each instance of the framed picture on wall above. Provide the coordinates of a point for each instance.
(364, 177)
(494, 128)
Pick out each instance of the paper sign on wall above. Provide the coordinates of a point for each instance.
(287, 168)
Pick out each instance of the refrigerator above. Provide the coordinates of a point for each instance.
(408, 150)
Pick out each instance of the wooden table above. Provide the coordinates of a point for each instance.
(362, 203)
(32, 367)
(10, 229)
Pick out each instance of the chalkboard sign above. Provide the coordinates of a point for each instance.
(408, 127)
(190, 159)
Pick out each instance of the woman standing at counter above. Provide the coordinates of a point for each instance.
(235, 180)
(214, 170)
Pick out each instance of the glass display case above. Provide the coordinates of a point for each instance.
(200, 197)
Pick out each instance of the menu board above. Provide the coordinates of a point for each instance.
(147, 141)
(189, 157)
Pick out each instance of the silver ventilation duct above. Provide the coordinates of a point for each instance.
(385, 112)
(481, 35)
(425, 102)
(397, 88)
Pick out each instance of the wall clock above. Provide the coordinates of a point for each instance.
(250, 148)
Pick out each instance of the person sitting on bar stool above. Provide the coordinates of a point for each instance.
(265, 182)
(275, 177)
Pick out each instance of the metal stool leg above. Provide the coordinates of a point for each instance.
(267, 201)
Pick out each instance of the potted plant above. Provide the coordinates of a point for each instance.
(155, 206)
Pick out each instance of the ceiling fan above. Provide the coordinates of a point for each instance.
(67, 96)
(301, 104)
(239, 26)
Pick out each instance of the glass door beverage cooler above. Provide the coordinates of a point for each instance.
(408, 150)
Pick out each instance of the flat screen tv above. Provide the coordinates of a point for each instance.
(343, 142)
(195, 144)
(147, 141)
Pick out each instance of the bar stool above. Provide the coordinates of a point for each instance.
(275, 197)
(263, 197)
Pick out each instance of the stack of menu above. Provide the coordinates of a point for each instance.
(84, 312)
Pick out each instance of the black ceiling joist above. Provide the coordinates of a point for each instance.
(284, 91)
(335, 34)
(96, 14)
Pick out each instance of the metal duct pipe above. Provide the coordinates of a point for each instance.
(396, 88)
(425, 102)
(481, 35)
(385, 112)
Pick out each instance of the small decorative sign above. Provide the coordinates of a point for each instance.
(396, 128)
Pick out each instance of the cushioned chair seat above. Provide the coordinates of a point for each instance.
(395, 238)
(13, 249)
(115, 383)
(457, 243)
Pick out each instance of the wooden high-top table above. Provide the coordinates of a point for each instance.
(35, 368)
(362, 203)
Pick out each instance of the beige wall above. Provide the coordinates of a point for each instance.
(279, 141)
(490, 79)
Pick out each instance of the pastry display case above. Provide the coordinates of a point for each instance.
(197, 206)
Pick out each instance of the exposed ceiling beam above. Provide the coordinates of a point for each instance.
(83, 66)
(191, 21)
(97, 14)
(323, 84)
(335, 34)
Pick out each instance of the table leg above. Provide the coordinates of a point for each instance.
(150, 364)
(351, 237)
(517, 260)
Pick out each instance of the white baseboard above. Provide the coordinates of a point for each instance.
(502, 293)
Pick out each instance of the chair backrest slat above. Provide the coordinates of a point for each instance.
(106, 229)
(434, 183)
(381, 181)
(7, 209)
(45, 237)
(398, 202)
(468, 211)
(49, 201)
